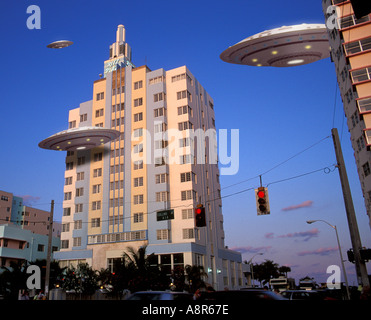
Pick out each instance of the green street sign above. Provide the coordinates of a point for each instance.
(165, 214)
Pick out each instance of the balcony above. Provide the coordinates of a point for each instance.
(118, 237)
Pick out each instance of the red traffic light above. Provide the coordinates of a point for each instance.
(261, 194)
(200, 217)
(262, 202)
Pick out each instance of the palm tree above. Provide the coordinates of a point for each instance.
(265, 271)
(284, 270)
(195, 277)
(142, 274)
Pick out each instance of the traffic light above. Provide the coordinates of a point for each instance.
(200, 218)
(350, 254)
(262, 201)
(365, 254)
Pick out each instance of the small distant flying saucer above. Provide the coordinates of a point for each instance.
(282, 47)
(79, 139)
(59, 44)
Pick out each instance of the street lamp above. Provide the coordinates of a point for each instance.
(252, 268)
(341, 256)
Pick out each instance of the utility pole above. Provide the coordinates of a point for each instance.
(48, 257)
(361, 270)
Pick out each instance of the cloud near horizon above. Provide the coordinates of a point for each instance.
(320, 251)
(250, 249)
(28, 200)
(304, 204)
(306, 235)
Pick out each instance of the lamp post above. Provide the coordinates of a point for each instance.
(252, 268)
(341, 256)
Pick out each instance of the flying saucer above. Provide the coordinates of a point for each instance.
(79, 138)
(282, 47)
(59, 44)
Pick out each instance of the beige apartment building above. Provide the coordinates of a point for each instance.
(350, 41)
(143, 187)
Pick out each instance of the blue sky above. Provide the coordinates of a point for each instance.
(279, 112)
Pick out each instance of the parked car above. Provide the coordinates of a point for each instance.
(302, 295)
(161, 295)
(250, 294)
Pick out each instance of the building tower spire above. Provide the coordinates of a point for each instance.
(120, 47)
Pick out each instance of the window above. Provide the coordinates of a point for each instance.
(185, 110)
(138, 102)
(79, 192)
(349, 21)
(361, 75)
(138, 148)
(366, 169)
(364, 105)
(99, 113)
(188, 233)
(138, 217)
(162, 196)
(69, 166)
(185, 125)
(162, 234)
(184, 94)
(138, 182)
(138, 132)
(184, 159)
(72, 124)
(40, 247)
(159, 96)
(97, 172)
(138, 85)
(159, 112)
(67, 195)
(161, 178)
(360, 143)
(67, 181)
(80, 176)
(78, 207)
(66, 211)
(187, 195)
(138, 116)
(65, 227)
(159, 161)
(178, 77)
(77, 224)
(187, 214)
(160, 144)
(80, 161)
(77, 242)
(97, 188)
(96, 205)
(138, 164)
(138, 199)
(95, 222)
(186, 176)
(98, 157)
(100, 96)
(83, 117)
(156, 80)
(184, 142)
(160, 127)
(64, 244)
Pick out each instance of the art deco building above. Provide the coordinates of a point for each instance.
(350, 41)
(142, 188)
